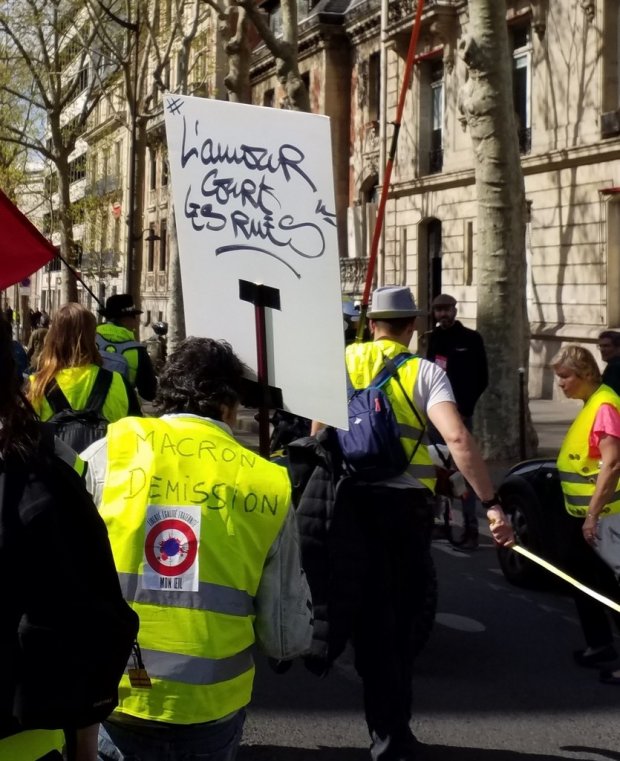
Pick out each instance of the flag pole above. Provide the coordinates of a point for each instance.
(413, 44)
(77, 275)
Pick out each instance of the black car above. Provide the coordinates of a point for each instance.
(531, 495)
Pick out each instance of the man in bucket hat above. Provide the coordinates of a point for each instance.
(116, 338)
(381, 531)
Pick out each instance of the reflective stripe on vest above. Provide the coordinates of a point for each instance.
(213, 597)
(181, 493)
(364, 361)
(577, 470)
(189, 669)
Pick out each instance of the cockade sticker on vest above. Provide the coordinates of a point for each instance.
(171, 548)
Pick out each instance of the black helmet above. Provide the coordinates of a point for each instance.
(161, 328)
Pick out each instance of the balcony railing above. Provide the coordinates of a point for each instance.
(353, 274)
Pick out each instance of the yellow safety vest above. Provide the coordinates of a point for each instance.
(191, 516)
(124, 341)
(364, 361)
(578, 471)
(76, 383)
(31, 745)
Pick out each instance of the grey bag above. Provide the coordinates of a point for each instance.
(607, 544)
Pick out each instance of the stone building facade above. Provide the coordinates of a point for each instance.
(567, 95)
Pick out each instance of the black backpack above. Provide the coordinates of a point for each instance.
(66, 631)
(79, 428)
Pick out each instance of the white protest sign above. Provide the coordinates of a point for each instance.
(254, 201)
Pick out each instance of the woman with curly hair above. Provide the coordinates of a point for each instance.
(205, 543)
(69, 366)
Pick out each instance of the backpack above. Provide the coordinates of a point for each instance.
(69, 632)
(79, 428)
(371, 448)
(112, 354)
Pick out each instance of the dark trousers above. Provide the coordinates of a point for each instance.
(581, 562)
(387, 538)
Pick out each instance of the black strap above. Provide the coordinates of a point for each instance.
(96, 399)
(99, 391)
(57, 400)
(393, 367)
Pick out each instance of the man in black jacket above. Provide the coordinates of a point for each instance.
(609, 346)
(460, 352)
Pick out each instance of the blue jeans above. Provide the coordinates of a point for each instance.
(136, 740)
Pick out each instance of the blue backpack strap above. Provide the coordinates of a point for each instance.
(392, 365)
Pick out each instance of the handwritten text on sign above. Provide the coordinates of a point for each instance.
(254, 201)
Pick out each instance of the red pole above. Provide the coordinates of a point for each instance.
(413, 44)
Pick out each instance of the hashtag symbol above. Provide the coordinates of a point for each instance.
(174, 106)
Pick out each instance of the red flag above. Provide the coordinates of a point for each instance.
(23, 249)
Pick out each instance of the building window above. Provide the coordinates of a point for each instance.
(613, 264)
(437, 92)
(82, 80)
(269, 98)
(153, 170)
(163, 244)
(610, 100)
(77, 168)
(522, 83)
(305, 78)
(374, 87)
(150, 260)
(164, 171)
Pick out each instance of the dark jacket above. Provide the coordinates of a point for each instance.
(611, 374)
(460, 351)
(316, 474)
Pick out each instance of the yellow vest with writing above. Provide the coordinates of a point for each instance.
(182, 490)
(578, 471)
(364, 361)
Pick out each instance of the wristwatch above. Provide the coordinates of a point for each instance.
(493, 502)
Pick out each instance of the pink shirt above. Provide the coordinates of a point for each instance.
(607, 421)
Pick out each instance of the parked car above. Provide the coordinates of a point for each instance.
(531, 495)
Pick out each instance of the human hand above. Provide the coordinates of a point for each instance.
(589, 528)
(500, 526)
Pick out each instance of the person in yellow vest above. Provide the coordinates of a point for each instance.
(70, 362)
(381, 531)
(589, 471)
(117, 337)
(207, 551)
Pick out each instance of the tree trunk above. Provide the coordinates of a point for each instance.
(287, 68)
(235, 29)
(486, 102)
(68, 287)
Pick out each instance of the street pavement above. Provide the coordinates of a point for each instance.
(496, 682)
